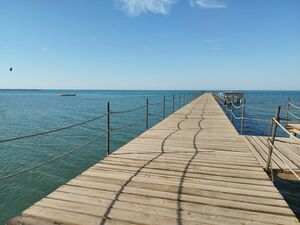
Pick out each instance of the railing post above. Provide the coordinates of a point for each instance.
(107, 129)
(287, 110)
(147, 114)
(164, 107)
(184, 99)
(173, 98)
(231, 108)
(243, 116)
(273, 135)
(179, 97)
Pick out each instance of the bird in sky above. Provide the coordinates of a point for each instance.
(10, 69)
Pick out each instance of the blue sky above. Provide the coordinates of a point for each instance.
(150, 44)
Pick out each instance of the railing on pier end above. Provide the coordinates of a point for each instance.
(274, 122)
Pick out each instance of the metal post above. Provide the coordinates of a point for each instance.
(164, 107)
(274, 128)
(243, 116)
(107, 129)
(147, 114)
(173, 103)
(231, 108)
(287, 110)
(179, 97)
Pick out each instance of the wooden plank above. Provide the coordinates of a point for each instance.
(284, 147)
(293, 128)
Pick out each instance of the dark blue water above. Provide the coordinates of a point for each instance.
(31, 111)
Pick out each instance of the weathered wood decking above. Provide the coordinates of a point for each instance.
(191, 168)
(286, 150)
(293, 128)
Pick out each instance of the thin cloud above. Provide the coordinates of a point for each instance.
(137, 7)
(208, 4)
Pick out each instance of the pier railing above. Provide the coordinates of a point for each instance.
(237, 112)
(165, 103)
(274, 122)
(291, 111)
(230, 107)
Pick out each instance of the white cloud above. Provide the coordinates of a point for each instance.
(209, 4)
(136, 7)
(44, 49)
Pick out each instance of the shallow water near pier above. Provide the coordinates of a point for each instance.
(30, 111)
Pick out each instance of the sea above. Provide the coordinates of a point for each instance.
(25, 112)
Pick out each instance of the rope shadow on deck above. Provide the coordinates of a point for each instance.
(110, 207)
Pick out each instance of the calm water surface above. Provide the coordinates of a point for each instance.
(23, 112)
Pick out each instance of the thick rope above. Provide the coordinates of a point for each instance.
(298, 118)
(297, 107)
(278, 155)
(52, 131)
(156, 103)
(236, 117)
(51, 160)
(237, 107)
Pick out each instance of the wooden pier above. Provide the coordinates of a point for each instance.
(286, 154)
(191, 168)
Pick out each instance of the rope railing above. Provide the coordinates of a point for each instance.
(156, 103)
(17, 173)
(236, 117)
(279, 156)
(107, 131)
(291, 109)
(229, 106)
(271, 143)
(52, 131)
(293, 115)
(293, 105)
(237, 107)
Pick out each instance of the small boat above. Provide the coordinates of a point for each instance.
(66, 94)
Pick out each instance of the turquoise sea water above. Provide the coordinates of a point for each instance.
(31, 111)
(23, 112)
